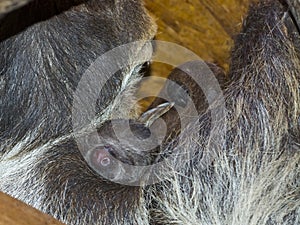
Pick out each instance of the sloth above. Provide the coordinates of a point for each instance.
(240, 169)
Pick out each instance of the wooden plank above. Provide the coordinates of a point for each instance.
(14, 212)
(10, 5)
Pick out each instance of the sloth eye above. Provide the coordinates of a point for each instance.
(142, 68)
(101, 156)
(105, 161)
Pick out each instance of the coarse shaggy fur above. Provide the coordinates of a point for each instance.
(249, 176)
(254, 177)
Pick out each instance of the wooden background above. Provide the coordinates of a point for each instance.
(204, 26)
(207, 27)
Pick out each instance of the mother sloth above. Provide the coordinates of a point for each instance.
(252, 178)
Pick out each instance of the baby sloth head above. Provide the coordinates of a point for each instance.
(125, 151)
(101, 156)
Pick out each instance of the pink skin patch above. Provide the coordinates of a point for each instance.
(101, 157)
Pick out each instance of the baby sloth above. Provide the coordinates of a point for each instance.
(125, 149)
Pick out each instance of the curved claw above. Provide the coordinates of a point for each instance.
(151, 115)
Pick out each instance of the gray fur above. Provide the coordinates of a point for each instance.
(252, 178)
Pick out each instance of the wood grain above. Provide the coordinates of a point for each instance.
(206, 27)
(14, 212)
